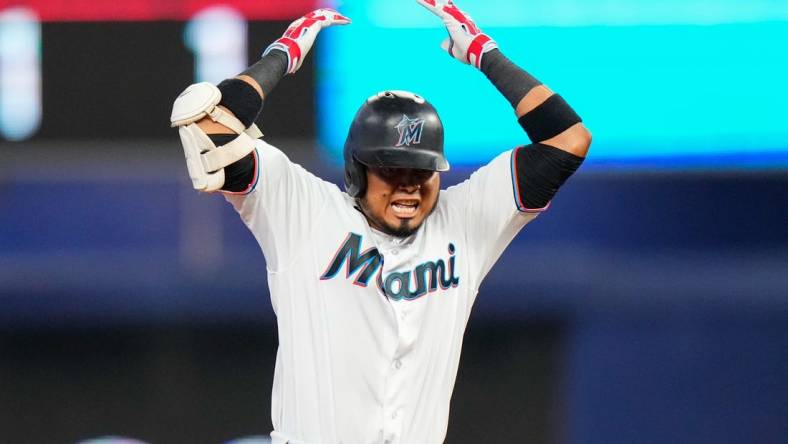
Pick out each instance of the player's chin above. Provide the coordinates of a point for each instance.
(403, 226)
(403, 229)
(402, 222)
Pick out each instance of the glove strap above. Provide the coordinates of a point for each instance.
(289, 47)
(479, 45)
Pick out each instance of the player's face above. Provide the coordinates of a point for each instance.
(399, 199)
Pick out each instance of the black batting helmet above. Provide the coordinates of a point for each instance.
(394, 129)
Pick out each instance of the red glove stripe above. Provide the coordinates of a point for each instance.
(314, 14)
(293, 51)
(462, 18)
(476, 47)
(295, 32)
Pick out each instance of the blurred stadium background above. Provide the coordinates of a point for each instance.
(649, 305)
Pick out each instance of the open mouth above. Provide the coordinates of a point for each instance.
(405, 208)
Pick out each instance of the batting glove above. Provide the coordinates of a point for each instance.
(466, 42)
(300, 35)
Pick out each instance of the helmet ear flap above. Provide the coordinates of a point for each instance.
(355, 178)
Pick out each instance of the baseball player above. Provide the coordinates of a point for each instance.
(372, 287)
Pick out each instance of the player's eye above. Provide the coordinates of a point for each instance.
(396, 175)
(420, 176)
(387, 173)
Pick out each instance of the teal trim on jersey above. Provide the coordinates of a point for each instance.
(515, 186)
(258, 167)
(252, 185)
(518, 198)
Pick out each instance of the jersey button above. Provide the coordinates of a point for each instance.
(394, 415)
(397, 364)
(394, 252)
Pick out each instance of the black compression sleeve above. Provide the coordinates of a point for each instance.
(241, 99)
(549, 119)
(541, 170)
(239, 175)
(511, 80)
(268, 70)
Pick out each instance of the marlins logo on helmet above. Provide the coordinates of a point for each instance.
(409, 131)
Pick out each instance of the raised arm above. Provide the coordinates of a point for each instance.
(216, 123)
(560, 140)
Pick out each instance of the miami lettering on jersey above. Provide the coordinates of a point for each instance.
(426, 277)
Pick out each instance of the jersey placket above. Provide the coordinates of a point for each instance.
(399, 370)
(402, 368)
(397, 255)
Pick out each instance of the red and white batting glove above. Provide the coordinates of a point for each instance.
(466, 42)
(300, 35)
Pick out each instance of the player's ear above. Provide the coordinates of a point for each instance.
(355, 178)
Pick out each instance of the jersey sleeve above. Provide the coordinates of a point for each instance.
(282, 206)
(489, 207)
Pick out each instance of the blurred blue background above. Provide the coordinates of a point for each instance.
(649, 305)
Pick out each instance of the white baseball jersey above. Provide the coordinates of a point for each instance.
(371, 326)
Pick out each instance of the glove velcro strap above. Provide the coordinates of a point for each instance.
(289, 47)
(479, 45)
(230, 153)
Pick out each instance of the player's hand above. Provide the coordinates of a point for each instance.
(300, 35)
(466, 42)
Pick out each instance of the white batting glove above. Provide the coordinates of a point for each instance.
(300, 35)
(466, 42)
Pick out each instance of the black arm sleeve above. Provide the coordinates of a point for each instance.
(269, 70)
(547, 120)
(540, 170)
(245, 103)
(511, 80)
(241, 98)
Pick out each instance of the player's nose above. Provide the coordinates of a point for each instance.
(408, 181)
(409, 188)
